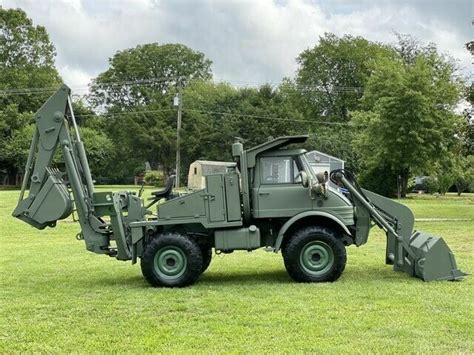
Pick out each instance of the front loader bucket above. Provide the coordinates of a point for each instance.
(434, 260)
(416, 253)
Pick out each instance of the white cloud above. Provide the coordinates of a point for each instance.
(250, 42)
(77, 77)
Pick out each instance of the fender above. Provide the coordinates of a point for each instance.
(299, 216)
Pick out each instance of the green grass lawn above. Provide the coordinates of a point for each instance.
(57, 297)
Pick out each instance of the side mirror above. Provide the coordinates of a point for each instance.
(304, 178)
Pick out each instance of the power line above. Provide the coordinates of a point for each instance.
(112, 114)
(272, 117)
(41, 90)
(152, 81)
(223, 113)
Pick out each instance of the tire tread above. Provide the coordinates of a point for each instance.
(292, 249)
(189, 247)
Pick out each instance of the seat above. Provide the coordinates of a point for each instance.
(166, 192)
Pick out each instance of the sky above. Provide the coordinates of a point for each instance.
(249, 42)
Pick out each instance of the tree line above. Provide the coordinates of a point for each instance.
(387, 110)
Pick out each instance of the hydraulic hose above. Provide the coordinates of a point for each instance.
(335, 177)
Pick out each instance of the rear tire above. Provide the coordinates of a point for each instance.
(206, 252)
(171, 260)
(314, 254)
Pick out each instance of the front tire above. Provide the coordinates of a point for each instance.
(314, 254)
(171, 260)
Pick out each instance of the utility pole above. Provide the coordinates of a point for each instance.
(178, 102)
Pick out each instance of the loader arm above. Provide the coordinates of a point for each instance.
(49, 197)
(414, 252)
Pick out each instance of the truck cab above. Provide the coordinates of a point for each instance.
(278, 189)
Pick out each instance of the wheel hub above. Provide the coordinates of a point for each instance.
(170, 262)
(316, 258)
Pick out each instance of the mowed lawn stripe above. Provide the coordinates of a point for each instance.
(55, 296)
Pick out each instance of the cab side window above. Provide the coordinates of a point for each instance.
(278, 170)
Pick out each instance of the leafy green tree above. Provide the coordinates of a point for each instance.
(26, 61)
(332, 75)
(144, 74)
(137, 91)
(329, 84)
(206, 129)
(15, 146)
(100, 151)
(464, 179)
(15, 136)
(407, 108)
(214, 114)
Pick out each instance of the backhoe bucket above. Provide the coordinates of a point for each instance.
(434, 259)
(50, 204)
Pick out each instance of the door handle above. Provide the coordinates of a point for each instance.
(264, 193)
(209, 197)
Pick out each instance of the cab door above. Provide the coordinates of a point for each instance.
(277, 189)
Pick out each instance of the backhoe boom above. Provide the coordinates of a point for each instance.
(49, 198)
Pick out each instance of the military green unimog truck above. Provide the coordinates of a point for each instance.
(270, 198)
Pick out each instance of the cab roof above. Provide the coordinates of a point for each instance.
(272, 145)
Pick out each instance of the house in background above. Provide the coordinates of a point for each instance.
(199, 169)
(321, 162)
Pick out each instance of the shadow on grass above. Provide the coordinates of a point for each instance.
(233, 278)
(250, 278)
(208, 278)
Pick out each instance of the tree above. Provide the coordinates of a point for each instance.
(100, 152)
(464, 177)
(14, 147)
(215, 113)
(26, 61)
(332, 75)
(207, 130)
(144, 74)
(407, 108)
(329, 83)
(137, 92)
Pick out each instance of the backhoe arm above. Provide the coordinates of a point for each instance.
(49, 198)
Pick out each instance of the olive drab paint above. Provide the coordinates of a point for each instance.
(270, 198)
